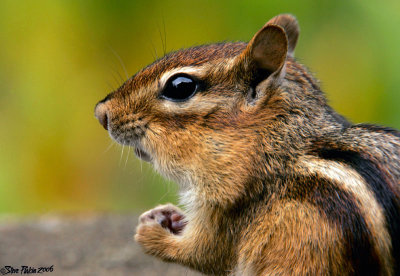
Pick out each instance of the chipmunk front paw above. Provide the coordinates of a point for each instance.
(157, 229)
(167, 216)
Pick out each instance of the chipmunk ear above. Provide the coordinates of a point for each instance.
(268, 48)
(265, 55)
(276, 40)
(261, 64)
(289, 23)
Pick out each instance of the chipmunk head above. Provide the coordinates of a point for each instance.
(207, 116)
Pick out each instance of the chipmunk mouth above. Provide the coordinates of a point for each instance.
(141, 154)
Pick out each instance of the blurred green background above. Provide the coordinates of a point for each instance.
(58, 58)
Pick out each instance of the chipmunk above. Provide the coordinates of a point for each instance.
(273, 181)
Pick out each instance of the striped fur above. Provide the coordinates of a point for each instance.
(274, 181)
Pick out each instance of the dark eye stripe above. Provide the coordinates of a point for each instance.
(179, 88)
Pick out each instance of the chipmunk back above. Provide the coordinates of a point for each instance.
(273, 180)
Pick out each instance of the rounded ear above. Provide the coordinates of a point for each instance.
(262, 62)
(289, 23)
(268, 48)
(264, 56)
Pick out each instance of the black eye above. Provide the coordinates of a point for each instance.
(179, 88)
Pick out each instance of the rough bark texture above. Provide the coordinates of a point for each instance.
(83, 245)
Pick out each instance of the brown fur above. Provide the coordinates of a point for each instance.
(273, 180)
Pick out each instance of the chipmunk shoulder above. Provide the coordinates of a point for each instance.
(273, 180)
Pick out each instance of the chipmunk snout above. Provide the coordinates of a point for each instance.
(101, 113)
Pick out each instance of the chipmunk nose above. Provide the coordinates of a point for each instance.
(100, 112)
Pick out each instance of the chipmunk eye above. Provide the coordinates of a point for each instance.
(179, 88)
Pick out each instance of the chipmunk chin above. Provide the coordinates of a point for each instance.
(141, 154)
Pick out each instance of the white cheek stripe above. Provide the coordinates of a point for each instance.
(350, 181)
(190, 70)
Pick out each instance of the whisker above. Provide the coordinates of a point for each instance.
(154, 49)
(165, 36)
(110, 86)
(161, 37)
(117, 75)
(140, 160)
(120, 61)
(122, 152)
(159, 201)
(112, 143)
(120, 76)
(151, 49)
(118, 82)
(127, 157)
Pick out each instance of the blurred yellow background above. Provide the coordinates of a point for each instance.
(58, 58)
